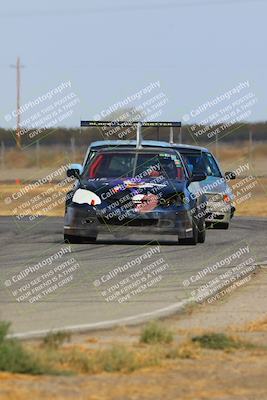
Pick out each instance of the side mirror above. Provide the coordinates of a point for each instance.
(75, 170)
(198, 177)
(230, 175)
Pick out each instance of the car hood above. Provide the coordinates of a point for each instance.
(213, 185)
(114, 189)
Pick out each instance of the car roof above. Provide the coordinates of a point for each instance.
(133, 149)
(145, 143)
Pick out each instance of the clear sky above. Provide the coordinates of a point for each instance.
(110, 49)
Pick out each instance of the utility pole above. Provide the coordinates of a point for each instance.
(250, 140)
(18, 67)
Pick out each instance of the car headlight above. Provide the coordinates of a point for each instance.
(82, 196)
(176, 199)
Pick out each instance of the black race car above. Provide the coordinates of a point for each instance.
(132, 191)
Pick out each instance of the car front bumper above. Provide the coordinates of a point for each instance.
(218, 212)
(86, 222)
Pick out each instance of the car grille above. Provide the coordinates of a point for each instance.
(214, 216)
(129, 221)
(214, 197)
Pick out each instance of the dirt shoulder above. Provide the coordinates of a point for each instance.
(197, 374)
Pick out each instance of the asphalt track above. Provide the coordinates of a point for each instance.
(83, 299)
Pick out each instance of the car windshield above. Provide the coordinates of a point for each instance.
(121, 164)
(202, 162)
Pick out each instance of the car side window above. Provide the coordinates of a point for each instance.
(211, 165)
(194, 163)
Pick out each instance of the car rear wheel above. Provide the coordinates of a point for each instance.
(79, 239)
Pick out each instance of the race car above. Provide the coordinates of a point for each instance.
(220, 199)
(134, 190)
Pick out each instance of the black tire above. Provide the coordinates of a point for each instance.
(208, 225)
(78, 239)
(193, 240)
(221, 225)
(91, 239)
(232, 212)
(201, 231)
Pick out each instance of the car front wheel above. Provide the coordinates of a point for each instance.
(201, 231)
(193, 240)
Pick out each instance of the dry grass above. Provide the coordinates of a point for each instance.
(16, 207)
(50, 156)
(234, 151)
(154, 332)
(115, 358)
(228, 155)
(53, 356)
(47, 157)
(156, 347)
(257, 326)
(213, 366)
(255, 206)
(186, 372)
